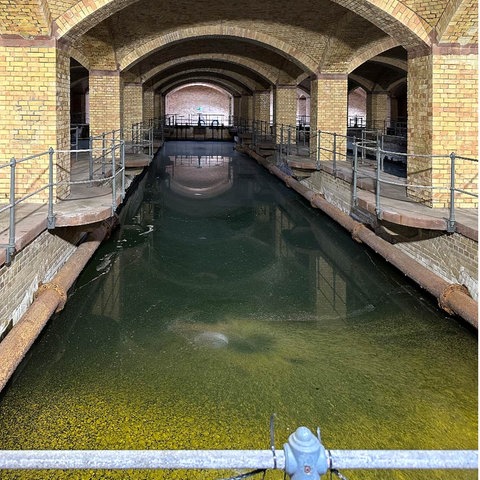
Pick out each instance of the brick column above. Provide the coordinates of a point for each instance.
(35, 108)
(132, 107)
(378, 110)
(285, 106)
(247, 107)
(261, 106)
(442, 118)
(148, 105)
(105, 101)
(237, 104)
(329, 112)
(159, 105)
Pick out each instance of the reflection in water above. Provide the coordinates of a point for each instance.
(205, 314)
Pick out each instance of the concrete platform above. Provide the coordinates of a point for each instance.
(87, 204)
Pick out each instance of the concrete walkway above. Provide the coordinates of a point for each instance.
(88, 203)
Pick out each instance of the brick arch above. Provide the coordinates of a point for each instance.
(240, 79)
(214, 82)
(391, 16)
(234, 32)
(369, 51)
(257, 67)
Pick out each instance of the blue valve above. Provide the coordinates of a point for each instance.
(305, 456)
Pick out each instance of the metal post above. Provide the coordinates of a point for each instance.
(451, 218)
(355, 172)
(289, 141)
(104, 152)
(50, 216)
(305, 456)
(378, 210)
(335, 154)
(114, 180)
(122, 160)
(281, 143)
(11, 237)
(90, 160)
(318, 151)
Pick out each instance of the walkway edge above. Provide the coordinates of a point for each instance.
(454, 299)
(50, 298)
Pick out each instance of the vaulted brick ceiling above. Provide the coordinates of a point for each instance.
(266, 41)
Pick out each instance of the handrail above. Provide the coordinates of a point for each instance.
(112, 146)
(292, 141)
(302, 458)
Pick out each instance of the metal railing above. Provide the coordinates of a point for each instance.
(303, 457)
(197, 119)
(106, 150)
(142, 138)
(294, 143)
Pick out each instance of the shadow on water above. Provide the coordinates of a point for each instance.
(223, 298)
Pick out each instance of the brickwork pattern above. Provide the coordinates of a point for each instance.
(133, 107)
(105, 102)
(285, 106)
(197, 100)
(35, 104)
(36, 263)
(453, 257)
(148, 105)
(261, 106)
(329, 113)
(378, 109)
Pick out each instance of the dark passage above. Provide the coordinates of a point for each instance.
(224, 298)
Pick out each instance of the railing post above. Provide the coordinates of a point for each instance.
(305, 456)
(11, 237)
(104, 152)
(451, 218)
(50, 216)
(122, 160)
(355, 172)
(335, 154)
(289, 141)
(90, 160)
(281, 143)
(114, 180)
(378, 210)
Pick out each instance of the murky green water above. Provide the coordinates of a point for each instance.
(223, 299)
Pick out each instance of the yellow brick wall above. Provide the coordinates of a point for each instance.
(378, 109)
(329, 113)
(105, 101)
(285, 111)
(261, 106)
(247, 107)
(35, 106)
(148, 105)
(133, 107)
(442, 118)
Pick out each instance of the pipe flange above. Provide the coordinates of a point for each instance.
(56, 288)
(355, 230)
(443, 298)
(314, 198)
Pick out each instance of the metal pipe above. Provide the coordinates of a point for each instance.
(355, 173)
(452, 298)
(49, 298)
(232, 459)
(378, 208)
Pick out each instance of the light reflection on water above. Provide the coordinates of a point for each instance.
(223, 299)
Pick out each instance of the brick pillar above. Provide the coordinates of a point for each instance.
(442, 118)
(132, 107)
(35, 108)
(247, 108)
(105, 101)
(378, 110)
(148, 105)
(329, 113)
(159, 105)
(261, 106)
(285, 111)
(237, 104)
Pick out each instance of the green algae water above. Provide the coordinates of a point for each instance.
(222, 299)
